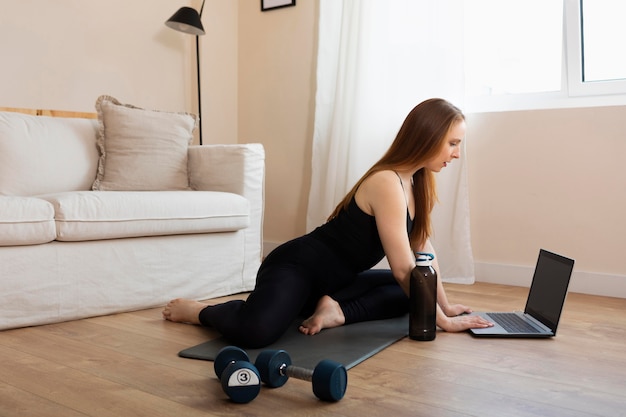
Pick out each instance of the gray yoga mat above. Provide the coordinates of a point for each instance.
(348, 345)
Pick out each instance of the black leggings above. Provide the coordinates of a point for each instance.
(289, 284)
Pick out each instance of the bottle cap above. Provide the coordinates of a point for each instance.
(424, 258)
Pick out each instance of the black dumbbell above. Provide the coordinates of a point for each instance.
(239, 377)
(329, 378)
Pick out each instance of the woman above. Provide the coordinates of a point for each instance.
(327, 273)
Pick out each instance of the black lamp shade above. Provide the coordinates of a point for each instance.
(186, 20)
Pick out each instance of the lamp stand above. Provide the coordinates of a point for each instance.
(198, 75)
(199, 95)
(187, 20)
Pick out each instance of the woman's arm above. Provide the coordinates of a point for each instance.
(450, 310)
(382, 196)
(460, 323)
(448, 315)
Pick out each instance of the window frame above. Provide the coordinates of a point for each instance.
(573, 38)
(574, 92)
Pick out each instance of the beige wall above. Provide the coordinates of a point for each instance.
(548, 178)
(552, 178)
(63, 54)
(277, 51)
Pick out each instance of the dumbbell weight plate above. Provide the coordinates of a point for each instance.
(330, 380)
(241, 382)
(226, 356)
(269, 362)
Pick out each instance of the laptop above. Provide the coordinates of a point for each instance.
(543, 306)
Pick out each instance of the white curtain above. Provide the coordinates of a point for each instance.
(377, 59)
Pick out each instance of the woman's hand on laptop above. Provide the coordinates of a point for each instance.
(460, 323)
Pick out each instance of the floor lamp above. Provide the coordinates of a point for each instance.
(187, 20)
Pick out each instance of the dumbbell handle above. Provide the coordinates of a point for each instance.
(296, 372)
(329, 379)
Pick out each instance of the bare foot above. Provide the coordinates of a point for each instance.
(327, 314)
(182, 310)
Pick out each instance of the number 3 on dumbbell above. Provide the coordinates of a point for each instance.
(240, 379)
(241, 382)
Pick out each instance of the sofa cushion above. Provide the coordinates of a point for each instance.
(26, 221)
(141, 150)
(40, 154)
(95, 215)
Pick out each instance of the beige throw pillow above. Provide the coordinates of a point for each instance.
(141, 150)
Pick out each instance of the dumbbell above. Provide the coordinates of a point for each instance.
(329, 378)
(239, 377)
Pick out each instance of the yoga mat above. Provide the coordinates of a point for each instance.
(348, 345)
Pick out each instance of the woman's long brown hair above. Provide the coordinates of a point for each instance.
(419, 139)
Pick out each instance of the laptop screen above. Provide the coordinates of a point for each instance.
(549, 288)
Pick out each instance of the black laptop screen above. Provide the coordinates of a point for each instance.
(549, 288)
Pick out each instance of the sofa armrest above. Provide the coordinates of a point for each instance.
(239, 169)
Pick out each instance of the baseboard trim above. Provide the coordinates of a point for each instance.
(594, 283)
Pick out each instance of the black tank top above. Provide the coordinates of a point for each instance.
(353, 236)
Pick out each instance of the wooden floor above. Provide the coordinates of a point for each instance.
(127, 365)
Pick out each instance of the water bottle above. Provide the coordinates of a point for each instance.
(423, 298)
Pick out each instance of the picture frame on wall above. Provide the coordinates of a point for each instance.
(276, 4)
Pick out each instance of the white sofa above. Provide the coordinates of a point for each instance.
(69, 252)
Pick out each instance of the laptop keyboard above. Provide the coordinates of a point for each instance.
(513, 323)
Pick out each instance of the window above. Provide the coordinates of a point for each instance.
(522, 54)
(596, 62)
(602, 34)
(512, 49)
